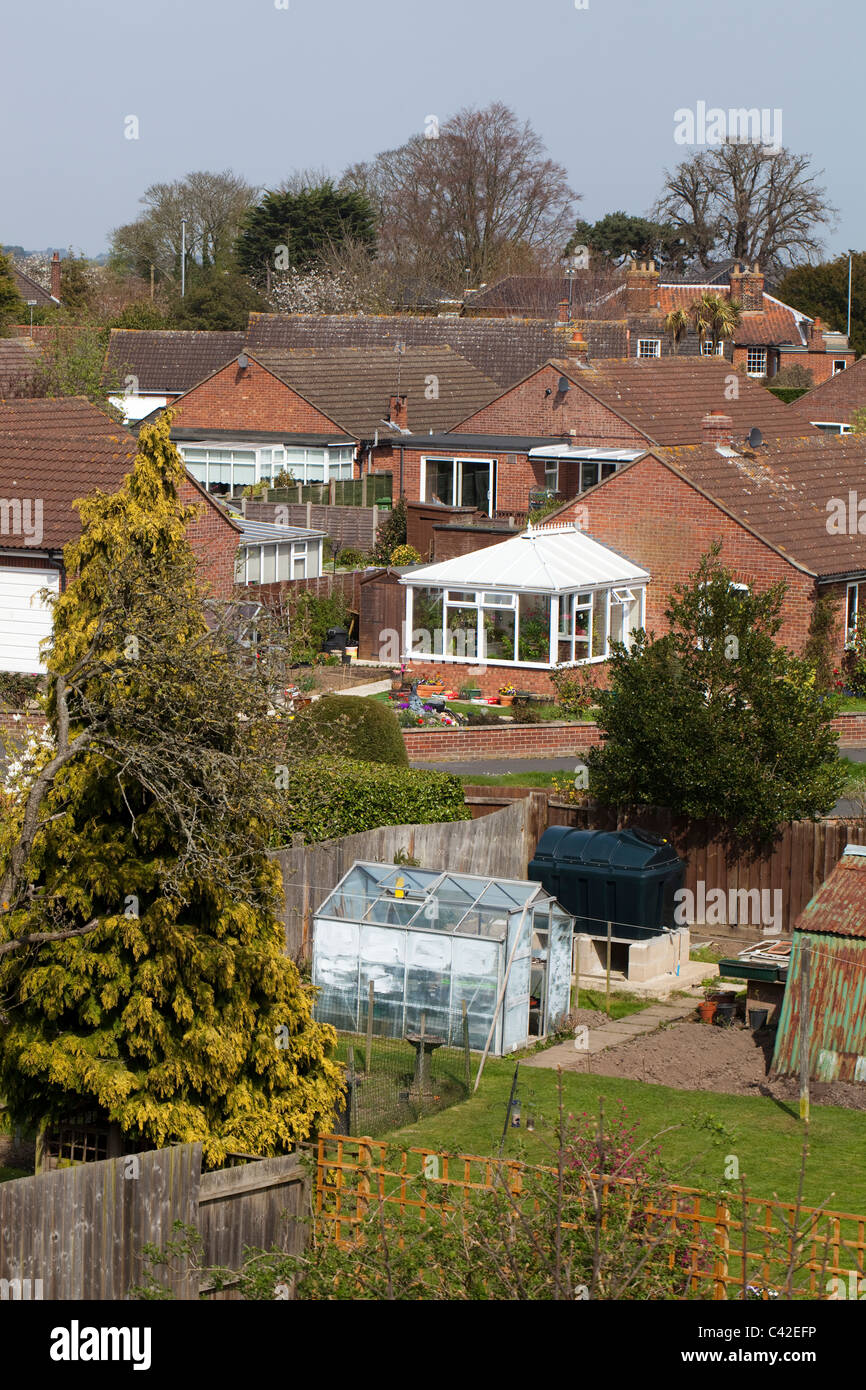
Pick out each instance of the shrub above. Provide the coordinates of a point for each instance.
(327, 797)
(391, 533)
(527, 712)
(405, 555)
(356, 728)
(855, 660)
(309, 620)
(575, 693)
(353, 559)
(16, 688)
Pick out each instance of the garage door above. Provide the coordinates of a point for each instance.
(24, 619)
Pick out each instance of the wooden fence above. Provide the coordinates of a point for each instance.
(79, 1232)
(796, 865)
(732, 1245)
(499, 845)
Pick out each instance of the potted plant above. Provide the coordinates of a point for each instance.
(707, 1008)
(506, 694)
(430, 685)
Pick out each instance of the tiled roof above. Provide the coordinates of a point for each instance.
(778, 323)
(19, 358)
(667, 397)
(353, 386)
(839, 906)
(525, 294)
(782, 490)
(838, 397)
(168, 360)
(505, 350)
(58, 450)
(31, 289)
(717, 273)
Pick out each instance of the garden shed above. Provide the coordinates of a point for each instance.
(430, 941)
(547, 597)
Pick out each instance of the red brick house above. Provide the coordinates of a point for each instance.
(319, 415)
(831, 405)
(568, 424)
(53, 451)
(785, 510)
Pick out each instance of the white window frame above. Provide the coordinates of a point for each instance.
(757, 353)
(839, 365)
(851, 628)
(707, 348)
(654, 343)
(457, 462)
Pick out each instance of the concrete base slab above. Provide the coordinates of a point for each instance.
(658, 986)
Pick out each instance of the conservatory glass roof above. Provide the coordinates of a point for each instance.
(429, 900)
(547, 559)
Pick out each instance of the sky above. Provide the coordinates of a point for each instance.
(268, 86)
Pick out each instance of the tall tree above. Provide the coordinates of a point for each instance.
(217, 298)
(476, 196)
(138, 836)
(822, 291)
(212, 204)
(749, 201)
(715, 719)
(295, 228)
(12, 308)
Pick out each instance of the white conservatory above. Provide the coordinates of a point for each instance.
(551, 596)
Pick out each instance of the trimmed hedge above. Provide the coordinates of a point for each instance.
(354, 727)
(326, 798)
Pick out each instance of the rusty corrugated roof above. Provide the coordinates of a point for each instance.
(837, 1006)
(839, 906)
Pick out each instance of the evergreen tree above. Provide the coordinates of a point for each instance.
(12, 308)
(138, 836)
(296, 230)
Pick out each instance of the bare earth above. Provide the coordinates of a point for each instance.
(691, 1056)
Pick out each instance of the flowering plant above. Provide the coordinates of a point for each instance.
(507, 690)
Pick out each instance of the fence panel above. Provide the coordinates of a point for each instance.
(752, 1247)
(80, 1230)
(261, 1204)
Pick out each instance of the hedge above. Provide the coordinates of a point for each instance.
(352, 727)
(326, 798)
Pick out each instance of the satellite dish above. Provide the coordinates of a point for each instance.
(756, 439)
(563, 385)
(243, 361)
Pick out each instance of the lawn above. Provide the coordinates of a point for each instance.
(764, 1136)
(7, 1174)
(499, 713)
(510, 779)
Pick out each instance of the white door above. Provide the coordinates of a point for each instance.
(24, 618)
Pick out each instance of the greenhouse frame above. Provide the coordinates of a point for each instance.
(430, 941)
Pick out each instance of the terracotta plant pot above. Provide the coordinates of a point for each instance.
(707, 1010)
(506, 699)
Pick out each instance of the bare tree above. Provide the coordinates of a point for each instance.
(477, 195)
(213, 205)
(748, 201)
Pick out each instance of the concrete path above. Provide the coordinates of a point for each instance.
(498, 767)
(618, 1030)
(372, 688)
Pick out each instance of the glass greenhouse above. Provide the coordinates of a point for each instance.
(430, 941)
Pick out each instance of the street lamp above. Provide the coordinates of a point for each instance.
(32, 303)
(183, 222)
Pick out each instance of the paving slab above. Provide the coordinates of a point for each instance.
(612, 1034)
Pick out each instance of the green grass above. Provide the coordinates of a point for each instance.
(853, 704)
(621, 1003)
(548, 713)
(855, 772)
(764, 1135)
(7, 1174)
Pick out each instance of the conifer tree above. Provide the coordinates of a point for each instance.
(138, 837)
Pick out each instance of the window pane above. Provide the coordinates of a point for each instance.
(499, 632)
(599, 622)
(283, 559)
(566, 614)
(499, 600)
(533, 633)
(299, 562)
(581, 633)
(616, 627)
(269, 567)
(461, 595)
(240, 567)
(254, 568)
(245, 473)
(440, 481)
(427, 620)
(475, 486)
(462, 632)
(588, 475)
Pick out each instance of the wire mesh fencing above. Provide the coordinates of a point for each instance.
(394, 1081)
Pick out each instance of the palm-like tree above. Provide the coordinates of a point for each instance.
(677, 324)
(714, 317)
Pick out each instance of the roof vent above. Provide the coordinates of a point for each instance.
(756, 439)
(563, 385)
(243, 361)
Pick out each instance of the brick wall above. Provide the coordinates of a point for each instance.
(524, 409)
(214, 540)
(253, 399)
(547, 740)
(658, 520)
(516, 475)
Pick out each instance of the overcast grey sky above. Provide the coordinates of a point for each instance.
(243, 84)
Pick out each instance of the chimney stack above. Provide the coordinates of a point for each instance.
(752, 298)
(717, 428)
(55, 275)
(641, 288)
(398, 412)
(578, 349)
(562, 311)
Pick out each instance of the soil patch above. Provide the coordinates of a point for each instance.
(693, 1056)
